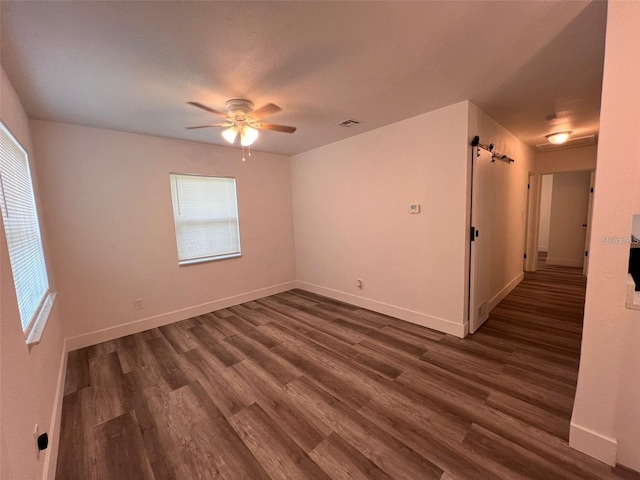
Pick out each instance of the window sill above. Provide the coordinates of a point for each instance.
(35, 335)
(194, 261)
(633, 298)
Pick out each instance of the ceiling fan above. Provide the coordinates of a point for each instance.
(242, 120)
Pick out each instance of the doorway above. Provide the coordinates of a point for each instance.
(564, 212)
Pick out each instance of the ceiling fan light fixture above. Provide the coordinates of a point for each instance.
(248, 135)
(230, 134)
(558, 137)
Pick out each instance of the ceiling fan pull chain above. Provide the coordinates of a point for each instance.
(243, 159)
(249, 150)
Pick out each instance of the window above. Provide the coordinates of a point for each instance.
(205, 210)
(22, 232)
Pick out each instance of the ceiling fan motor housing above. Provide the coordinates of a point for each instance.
(239, 107)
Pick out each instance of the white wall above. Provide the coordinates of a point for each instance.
(546, 190)
(351, 216)
(108, 200)
(566, 160)
(605, 421)
(569, 211)
(29, 377)
(509, 205)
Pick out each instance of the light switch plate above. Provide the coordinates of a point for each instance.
(414, 208)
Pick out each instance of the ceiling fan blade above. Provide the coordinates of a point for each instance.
(208, 109)
(276, 128)
(209, 126)
(268, 109)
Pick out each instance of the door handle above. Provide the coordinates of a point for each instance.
(584, 224)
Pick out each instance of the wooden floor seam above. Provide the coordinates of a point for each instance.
(299, 386)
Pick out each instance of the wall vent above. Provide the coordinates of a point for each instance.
(349, 122)
(573, 143)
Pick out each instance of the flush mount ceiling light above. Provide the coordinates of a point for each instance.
(558, 137)
(242, 120)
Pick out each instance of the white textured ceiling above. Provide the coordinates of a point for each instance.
(132, 66)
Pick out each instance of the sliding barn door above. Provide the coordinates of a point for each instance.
(481, 213)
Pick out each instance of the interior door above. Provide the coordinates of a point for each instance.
(480, 267)
(527, 220)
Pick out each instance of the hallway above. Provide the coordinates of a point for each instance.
(539, 324)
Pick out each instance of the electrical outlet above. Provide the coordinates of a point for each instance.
(137, 304)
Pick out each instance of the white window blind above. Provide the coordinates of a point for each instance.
(205, 210)
(22, 230)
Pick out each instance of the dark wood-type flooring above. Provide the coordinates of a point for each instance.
(298, 386)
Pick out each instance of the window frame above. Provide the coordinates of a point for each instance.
(34, 328)
(208, 258)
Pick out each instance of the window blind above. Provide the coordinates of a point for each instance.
(205, 210)
(21, 228)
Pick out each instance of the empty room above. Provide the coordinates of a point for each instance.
(319, 240)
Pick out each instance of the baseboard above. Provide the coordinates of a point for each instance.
(51, 460)
(436, 323)
(111, 333)
(505, 291)
(594, 444)
(565, 262)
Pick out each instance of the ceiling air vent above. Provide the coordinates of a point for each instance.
(573, 143)
(350, 122)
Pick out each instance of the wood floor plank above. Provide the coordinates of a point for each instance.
(284, 335)
(283, 372)
(343, 462)
(303, 430)
(110, 395)
(251, 315)
(538, 417)
(518, 432)
(228, 449)
(385, 451)
(348, 388)
(77, 371)
(519, 460)
(454, 382)
(279, 455)
(207, 332)
(169, 364)
(302, 320)
(347, 351)
(142, 365)
(447, 453)
(224, 387)
(178, 337)
(77, 454)
(120, 449)
(199, 440)
(156, 452)
(561, 372)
